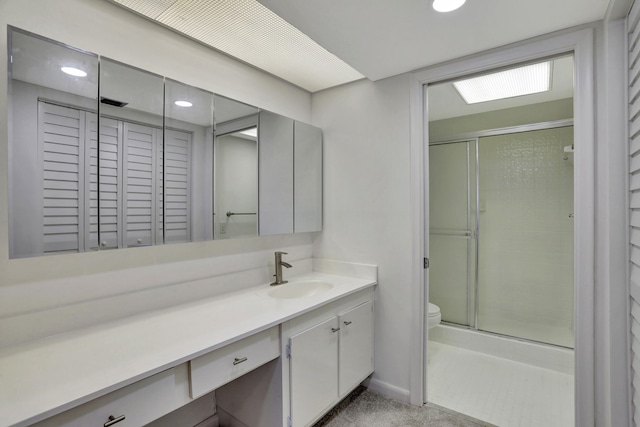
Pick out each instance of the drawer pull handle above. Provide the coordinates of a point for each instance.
(113, 420)
(348, 322)
(237, 361)
(334, 330)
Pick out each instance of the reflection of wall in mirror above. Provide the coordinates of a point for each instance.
(236, 187)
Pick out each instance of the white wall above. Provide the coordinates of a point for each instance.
(367, 215)
(367, 206)
(101, 27)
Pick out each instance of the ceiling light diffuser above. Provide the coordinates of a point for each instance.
(72, 71)
(520, 81)
(183, 104)
(249, 31)
(447, 5)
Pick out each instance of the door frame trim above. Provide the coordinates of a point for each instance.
(580, 42)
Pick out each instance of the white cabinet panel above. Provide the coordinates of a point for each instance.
(356, 346)
(275, 157)
(313, 371)
(140, 403)
(331, 352)
(308, 178)
(218, 367)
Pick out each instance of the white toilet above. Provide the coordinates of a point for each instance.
(433, 317)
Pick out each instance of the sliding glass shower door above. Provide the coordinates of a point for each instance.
(452, 230)
(501, 233)
(525, 269)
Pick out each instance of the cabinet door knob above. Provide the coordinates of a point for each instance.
(348, 322)
(113, 420)
(237, 361)
(335, 329)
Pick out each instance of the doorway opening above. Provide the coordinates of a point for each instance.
(501, 249)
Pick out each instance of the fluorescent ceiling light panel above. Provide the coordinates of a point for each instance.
(506, 84)
(249, 31)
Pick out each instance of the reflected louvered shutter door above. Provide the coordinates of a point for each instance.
(91, 226)
(634, 199)
(177, 186)
(110, 151)
(62, 142)
(141, 143)
(159, 209)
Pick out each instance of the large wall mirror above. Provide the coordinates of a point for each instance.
(103, 155)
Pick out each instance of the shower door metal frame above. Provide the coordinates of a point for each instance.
(475, 136)
(468, 233)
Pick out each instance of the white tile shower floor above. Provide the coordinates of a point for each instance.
(498, 391)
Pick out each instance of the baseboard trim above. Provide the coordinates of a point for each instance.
(388, 390)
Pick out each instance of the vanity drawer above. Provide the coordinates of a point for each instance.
(212, 370)
(140, 403)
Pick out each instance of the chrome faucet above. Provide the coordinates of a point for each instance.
(279, 264)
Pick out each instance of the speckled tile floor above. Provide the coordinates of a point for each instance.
(364, 408)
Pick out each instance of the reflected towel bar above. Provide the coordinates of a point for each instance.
(239, 213)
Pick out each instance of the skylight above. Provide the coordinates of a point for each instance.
(519, 81)
(249, 31)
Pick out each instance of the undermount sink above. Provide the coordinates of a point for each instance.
(300, 289)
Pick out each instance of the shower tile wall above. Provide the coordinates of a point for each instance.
(526, 236)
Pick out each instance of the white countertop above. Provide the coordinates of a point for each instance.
(49, 376)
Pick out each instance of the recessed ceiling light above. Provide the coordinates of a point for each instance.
(519, 81)
(183, 104)
(447, 5)
(76, 72)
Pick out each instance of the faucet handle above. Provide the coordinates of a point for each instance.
(281, 253)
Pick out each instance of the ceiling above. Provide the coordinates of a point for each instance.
(445, 102)
(383, 38)
(317, 44)
(250, 32)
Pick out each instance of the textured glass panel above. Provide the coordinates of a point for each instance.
(526, 236)
(449, 277)
(448, 187)
(451, 243)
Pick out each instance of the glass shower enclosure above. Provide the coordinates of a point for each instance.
(501, 233)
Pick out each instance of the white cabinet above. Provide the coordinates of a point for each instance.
(131, 406)
(218, 367)
(356, 346)
(330, 353)
(314, 370)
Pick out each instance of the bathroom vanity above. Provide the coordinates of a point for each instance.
(311, 341)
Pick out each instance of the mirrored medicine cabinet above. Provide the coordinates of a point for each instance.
(103, 155)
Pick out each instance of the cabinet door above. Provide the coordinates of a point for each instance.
(307, 166)
(275, 169)
(356, 346)
(314, 371)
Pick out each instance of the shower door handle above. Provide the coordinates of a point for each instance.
(462, 234)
